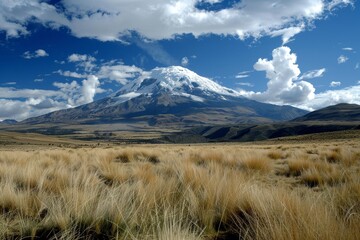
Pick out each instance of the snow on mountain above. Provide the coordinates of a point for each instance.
(172, 96)
(174, 80)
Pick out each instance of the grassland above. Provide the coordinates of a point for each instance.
(286, 190)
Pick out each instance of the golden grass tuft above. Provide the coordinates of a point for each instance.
(276, 154)
(257, 163)
(180, 192)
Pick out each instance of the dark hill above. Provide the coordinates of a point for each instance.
(330, 119)
(341, 112)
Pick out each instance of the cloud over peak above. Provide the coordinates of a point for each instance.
(110, 20)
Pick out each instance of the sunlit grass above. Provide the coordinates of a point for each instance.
(182, 192)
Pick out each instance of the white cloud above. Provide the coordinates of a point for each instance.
(245, 84)
(112, 70)
(12, 109)
(288, 33)
(37, 54)
(41, 53)
(118, 72)
(80, 58)
(154, 49)
(38, 80)
(16, 14)
(239, 76)
(342, 59)
(184, 61)
(71, 74)
(348, 49)
(243, 74)
(282, 87)
(338, 3)
(9, 83)
(357, 65)
(88, 90)
(7, 92)
(335, 84)
(83, 60)
(110, 20)
(332, 97)
(313, 74)
(212, 1)
(24, 103)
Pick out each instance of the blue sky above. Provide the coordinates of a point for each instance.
(63, 53)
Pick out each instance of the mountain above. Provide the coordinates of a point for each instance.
(173, 96)
(9, 121)
(341, 117)
(341, 112)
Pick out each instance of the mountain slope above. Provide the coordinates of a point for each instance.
(173, 96)
(330, 119)
(340, 112)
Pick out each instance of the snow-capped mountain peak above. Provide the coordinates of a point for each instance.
(174, 80)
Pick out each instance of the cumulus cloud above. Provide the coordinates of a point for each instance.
(24, 103)
(112, 70)
(110, 20)
(118, 72)
(7, 92)
(12, 109)
(283, 86)
(348, 49)
(16, 14)
(185, 61)
(342, 59)
(313, 74)
(335, 84)
(332, 97)
(88, 89)
(37, 54)
(76, 94)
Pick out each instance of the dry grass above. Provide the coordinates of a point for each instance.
(182, 192)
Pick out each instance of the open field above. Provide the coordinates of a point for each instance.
(266, 190)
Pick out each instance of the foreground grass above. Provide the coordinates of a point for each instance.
(182, 192)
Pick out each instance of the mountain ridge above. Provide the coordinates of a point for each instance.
(172, 96)
(339, 112)
(330, 119)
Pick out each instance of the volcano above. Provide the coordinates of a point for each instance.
(172, 96)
